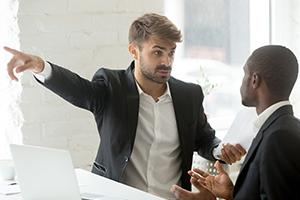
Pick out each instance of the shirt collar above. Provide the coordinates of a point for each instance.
(262, 117)
(166, 93)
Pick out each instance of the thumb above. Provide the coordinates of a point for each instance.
(219, 167)
(180, 193)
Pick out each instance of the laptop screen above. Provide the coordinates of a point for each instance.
(44, 173)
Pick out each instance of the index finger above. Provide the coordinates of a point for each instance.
(12, 51)
(194, 174)
(201, 172)
(18, 54)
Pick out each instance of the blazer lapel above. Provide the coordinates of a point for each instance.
(132, 98)
(180, 108)
(256, 141)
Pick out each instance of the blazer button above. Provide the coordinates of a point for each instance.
(126, 159)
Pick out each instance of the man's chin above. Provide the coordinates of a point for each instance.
(164, 79)
(161, 79)
(247, 104)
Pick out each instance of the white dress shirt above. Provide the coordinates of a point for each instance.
(45, 74)
(262, 117)
(155, 162)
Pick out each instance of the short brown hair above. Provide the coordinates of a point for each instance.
(152, 24)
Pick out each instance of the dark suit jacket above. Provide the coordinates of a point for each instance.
(113, 98)
(271, 169)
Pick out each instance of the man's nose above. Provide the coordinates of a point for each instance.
(167, 61)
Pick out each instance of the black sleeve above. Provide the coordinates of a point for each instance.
(76, 90)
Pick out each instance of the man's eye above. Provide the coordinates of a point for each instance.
(157, 53)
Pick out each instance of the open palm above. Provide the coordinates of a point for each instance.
(220, 185)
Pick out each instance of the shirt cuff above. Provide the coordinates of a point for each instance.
(217, 152)
(45, 74)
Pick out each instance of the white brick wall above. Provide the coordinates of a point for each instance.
(80, 35)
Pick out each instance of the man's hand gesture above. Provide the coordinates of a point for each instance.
(21, 62)
(219, 185)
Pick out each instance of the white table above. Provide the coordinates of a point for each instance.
(94, 184)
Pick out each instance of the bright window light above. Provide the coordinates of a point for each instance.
(218, 36)
(10, 91)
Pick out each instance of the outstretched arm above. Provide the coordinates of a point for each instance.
(70, 86)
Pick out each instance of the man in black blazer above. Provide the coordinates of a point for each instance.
(271, 169)
(149, 122)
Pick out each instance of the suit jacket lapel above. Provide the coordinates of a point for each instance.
(180, 107)
(132, 98)
(256, 141)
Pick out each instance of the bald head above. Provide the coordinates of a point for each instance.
(277, 66)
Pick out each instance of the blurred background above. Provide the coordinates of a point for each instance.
(83, 36)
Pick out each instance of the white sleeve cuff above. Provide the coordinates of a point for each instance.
(217, 152)
(45, 74)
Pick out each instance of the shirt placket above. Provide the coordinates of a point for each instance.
(153, 149)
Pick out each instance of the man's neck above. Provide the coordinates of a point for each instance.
(151, 88)
(155, 90)
(267, 103)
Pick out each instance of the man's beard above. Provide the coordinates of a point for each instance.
(152, 76)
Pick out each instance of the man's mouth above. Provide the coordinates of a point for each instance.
(164, 72)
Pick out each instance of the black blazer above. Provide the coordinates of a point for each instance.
(271, 169)
(113, 98)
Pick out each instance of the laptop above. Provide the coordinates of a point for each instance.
(46, 173)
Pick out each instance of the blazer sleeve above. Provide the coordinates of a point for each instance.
(206, 139)
(78, 91)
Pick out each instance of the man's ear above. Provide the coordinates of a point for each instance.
(133, 50)
(256, 80)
